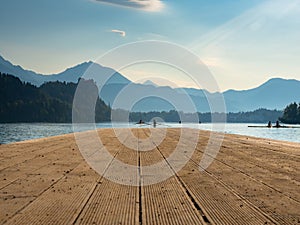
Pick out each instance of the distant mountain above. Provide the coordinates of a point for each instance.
(276, 93)
(149, 82)
(18, 71)
(273, 94)
(92, 70)
(69, 75)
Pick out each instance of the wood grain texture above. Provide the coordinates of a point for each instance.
(251, 181)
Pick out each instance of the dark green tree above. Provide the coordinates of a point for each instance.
(291, 114)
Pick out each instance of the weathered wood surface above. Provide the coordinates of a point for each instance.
(251, 181)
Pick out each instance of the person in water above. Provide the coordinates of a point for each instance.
(154, 123)
(277, 124)
(269, 124)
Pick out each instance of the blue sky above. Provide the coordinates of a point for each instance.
(243, 42)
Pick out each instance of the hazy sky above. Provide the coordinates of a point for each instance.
(243, 42)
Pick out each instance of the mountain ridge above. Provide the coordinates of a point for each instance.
(71, 74)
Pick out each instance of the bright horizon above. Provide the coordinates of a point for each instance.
(159, 81)
(243, 43)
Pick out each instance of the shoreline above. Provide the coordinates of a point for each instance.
(251, 181)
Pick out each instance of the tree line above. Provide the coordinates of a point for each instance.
(256, 116)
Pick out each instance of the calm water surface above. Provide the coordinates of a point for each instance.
(26, 131)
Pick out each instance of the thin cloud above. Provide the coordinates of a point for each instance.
(253, 18)
(120, 32)
(146, 5)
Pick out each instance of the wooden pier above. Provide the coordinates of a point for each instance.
(251, 181)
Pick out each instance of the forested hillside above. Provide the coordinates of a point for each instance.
(52, 102)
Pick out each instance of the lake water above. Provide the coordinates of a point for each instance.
(25, 131)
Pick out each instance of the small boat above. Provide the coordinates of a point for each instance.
(140, 122)
(274, 126)
(259, 126)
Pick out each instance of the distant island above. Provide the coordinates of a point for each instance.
(52, 102)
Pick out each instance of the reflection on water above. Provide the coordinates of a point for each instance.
(25, 131)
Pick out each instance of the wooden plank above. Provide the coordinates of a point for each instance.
(165, 202)
(111, 203)
(61, 203)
